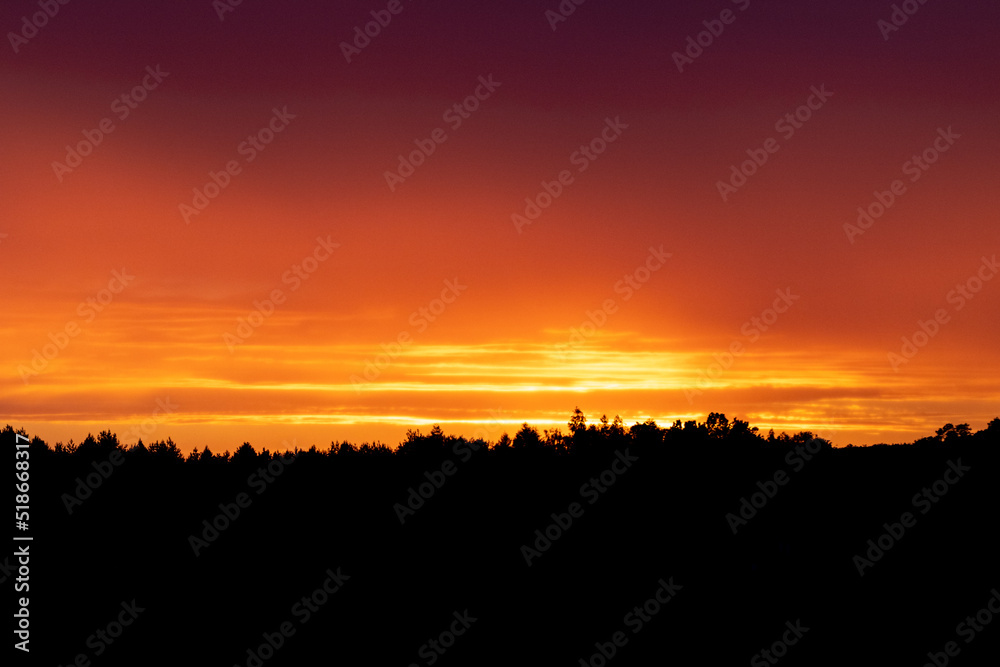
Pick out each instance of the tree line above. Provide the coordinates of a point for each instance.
(716, 432)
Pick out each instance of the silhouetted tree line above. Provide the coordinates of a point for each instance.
(114, 523)
(716, 433)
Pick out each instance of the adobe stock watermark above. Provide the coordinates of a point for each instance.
(102, 638)
(302, 611)
(85, 487)
(37, 21)
(749, 507)
(419, 494)
(491, 427)
(293, 277)
(582, 158)
(898, 18)
(218, 181)
(223, 7)
(562, 12)
(752, 330)
(713, 29)
(787, 125)
(967, 629)
(635, 621)
(915, 167)
(381, 18)
(454, 115)
(958, 297)
(419, 319)
(779, 649)
(23, 613)
(924, 500)
(433, 649)
(229, 512)
(591, 491)
(629, 284)
(122, 107)
(163, 408)
(59, 340)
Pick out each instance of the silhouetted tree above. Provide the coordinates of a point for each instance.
(802, 437)
(556, 441)
(604, 425)
(374, 449)
(245, 455)
(949, 432)
(578, 422)
(432, 445)
(717, 425)
(742, 435)
(342, 449)
(137, 452)
(527, 439)
(646, 433)
(165, 451)
(503, 444)
(99, 447)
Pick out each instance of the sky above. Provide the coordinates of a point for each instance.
(259, 223)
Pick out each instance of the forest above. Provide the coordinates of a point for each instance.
(600, 544)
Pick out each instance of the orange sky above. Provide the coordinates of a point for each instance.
(502, 344)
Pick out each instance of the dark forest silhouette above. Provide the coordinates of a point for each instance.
(552, 541)
(716, 431)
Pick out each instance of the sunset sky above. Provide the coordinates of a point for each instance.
(124, 303)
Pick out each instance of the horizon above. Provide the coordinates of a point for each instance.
(490, 432)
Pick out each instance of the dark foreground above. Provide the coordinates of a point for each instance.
(641, 552)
